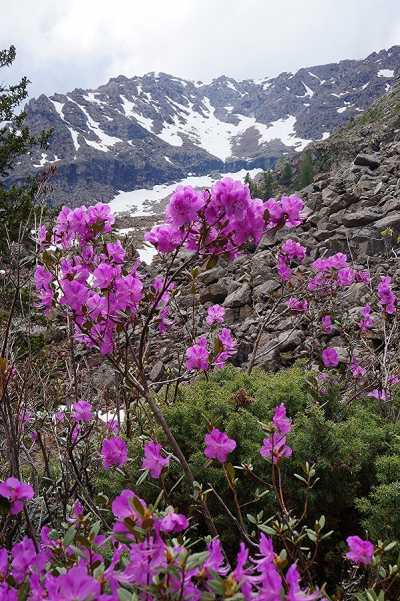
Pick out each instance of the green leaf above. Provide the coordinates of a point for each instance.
(69, 536)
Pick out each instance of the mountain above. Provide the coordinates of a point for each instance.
(137, 132)
(352, 206)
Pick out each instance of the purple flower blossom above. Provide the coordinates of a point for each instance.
(82, 411)
(326, 324)
(366, 321)
(282, 423)
(77, 585)
(330, 358)
(166, 237)
(215, 314)
(183, 206)
(174, 522)
(197, 355)
(16, 493)
(298, 305)
(387, 298)
(357, 370)
(153, 460)
(293, 250)
(114, 452)
(378, 394)
(274, 447)
(360, 551)
(218, 445)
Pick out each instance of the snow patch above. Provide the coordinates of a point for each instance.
(91, 97)
(385, 73)
(129, 110)
(106, 141)
(139, 202)
(282, 129)
(342, 109)
(308, 90)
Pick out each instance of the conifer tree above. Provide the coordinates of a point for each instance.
(287, 174)
(268, 187)
(16, 202)
(306, 170)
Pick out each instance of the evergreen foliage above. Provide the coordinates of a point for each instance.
(16, 203)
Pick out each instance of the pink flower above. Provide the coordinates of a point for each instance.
(346, 276)
(366, 321)
(114, 452)
(215, 314)
(284, 271)
(357, 370)
(174, 522)
(183, 206)
(75, 294)
(280, 420)
(360, 551)
(274, 447)
(330, 358)
(197, 355)
(116, 251)
(294, 591)
(82, 411)
(297, 304)
(387, 298)
(16, 492)
(153, 460)
(293, 250)
(166, 237)
(104, 275)
(218, 445)
(291, 207)
(77, 585)
(326, 324)
(378, 394)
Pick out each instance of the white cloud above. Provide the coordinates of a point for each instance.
(81, 43)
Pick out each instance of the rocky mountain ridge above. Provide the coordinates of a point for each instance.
(137, 132)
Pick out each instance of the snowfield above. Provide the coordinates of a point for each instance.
(139, 202)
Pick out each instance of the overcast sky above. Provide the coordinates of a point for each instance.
(68, 44)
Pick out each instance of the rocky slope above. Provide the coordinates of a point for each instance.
(353, 207)
(136, 132)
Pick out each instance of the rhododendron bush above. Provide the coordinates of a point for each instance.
(76, 543)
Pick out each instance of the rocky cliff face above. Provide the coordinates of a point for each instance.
(140, 131)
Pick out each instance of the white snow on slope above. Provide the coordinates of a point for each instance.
(129, 110)
(139, 202)
(385, 73)
(308, 91)
(91, 97)
(105, 140)
(59, 106)
(282, 129)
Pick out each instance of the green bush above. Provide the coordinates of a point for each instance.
(381, 508)
(343, 441)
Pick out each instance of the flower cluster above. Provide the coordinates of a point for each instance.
(205, 353)
(222, 220)
(274, 446)
(138, 559)
(16, 493)
(90, 279)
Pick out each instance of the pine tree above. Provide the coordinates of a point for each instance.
(287, 175)
(255, 190)
(15, 140)
(306, 170)
(268, 187)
